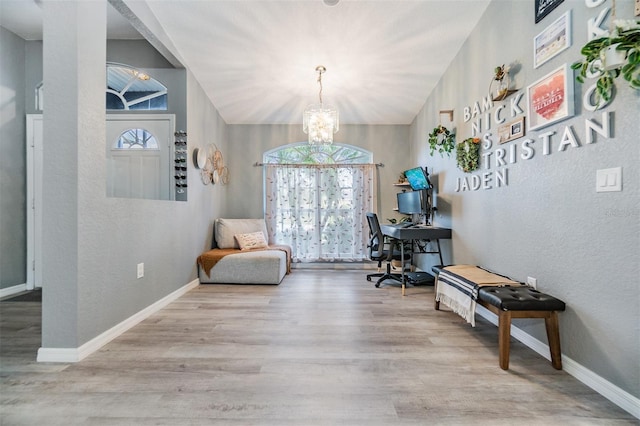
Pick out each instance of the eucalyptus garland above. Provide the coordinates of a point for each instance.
(468, 154)
(442, 140)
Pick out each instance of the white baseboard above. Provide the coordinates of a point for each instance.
(338, 266)
(10, 291)
(78, 354)
(620, 397)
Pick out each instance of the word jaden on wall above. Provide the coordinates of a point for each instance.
(496, 158)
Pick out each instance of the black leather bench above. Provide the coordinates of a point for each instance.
(520, 302)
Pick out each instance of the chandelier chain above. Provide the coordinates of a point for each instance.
(613, 16)
(320, 83)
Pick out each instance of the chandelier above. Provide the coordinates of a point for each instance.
(320, 121)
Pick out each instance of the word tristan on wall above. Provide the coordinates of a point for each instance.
(483, 114)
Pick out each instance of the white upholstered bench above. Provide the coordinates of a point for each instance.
(226, 263)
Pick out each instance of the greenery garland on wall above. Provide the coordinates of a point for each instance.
(468, 154)
(442, 140)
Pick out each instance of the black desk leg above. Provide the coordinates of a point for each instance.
(402, 265)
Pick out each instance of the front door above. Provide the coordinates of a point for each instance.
(138, 156)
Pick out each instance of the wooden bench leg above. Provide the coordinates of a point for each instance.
(553, 336)
(504, 336)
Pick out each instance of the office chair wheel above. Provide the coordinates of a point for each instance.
(377, 285)
(368, 278)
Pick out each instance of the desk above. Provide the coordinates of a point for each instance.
(416, 232)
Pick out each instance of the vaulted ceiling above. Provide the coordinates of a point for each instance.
(256, 59)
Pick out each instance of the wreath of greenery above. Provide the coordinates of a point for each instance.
(442, 140)
(468, 154)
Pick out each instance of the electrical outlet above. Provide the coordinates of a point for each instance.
(140, 270)
(532, 282)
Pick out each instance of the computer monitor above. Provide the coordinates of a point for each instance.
(410, 202)
(418, 178)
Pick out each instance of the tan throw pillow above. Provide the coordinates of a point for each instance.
(254, 240)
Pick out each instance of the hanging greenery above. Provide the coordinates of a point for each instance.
(441, 140)
(468, 154)
(622, 43)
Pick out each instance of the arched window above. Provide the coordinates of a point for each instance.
(127, 89)
(316, 200)
(131, 89)
(39, 97)
(136, 139)
(303, 153)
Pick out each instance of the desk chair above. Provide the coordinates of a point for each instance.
(378, 252)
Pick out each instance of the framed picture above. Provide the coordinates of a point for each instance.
(550, 99)
(544, 7)
(510, 131)
(553, 40)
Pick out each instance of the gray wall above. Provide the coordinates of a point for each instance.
(139, 53)
(389, 145)
(549, 223)
(91, 256)
(13, 230)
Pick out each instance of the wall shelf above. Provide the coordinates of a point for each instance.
(504, 95)
(499, 88)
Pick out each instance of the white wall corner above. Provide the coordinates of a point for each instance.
(78, 354)
(58, 355)
(613, 393)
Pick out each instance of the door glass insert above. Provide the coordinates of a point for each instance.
(136, 139)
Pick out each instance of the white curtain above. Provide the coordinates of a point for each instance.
(319, 210)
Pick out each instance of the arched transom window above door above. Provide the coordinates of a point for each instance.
(132, 89)
(127, 88)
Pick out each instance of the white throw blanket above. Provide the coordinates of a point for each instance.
(457, 287)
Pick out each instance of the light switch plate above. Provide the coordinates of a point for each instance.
(609, 180)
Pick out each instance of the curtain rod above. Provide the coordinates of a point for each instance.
(256, 164)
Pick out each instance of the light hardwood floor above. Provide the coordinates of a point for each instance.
(322, 348)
